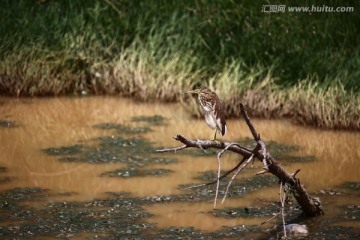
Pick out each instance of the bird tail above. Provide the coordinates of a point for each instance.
(224, 130)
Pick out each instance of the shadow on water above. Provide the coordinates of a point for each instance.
(87, 168)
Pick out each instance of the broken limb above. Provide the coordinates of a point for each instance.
(310, 206)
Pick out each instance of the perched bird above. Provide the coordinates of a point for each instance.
(210, 103)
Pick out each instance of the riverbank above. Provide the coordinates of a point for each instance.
(297, 65)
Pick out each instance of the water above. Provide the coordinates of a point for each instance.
(327, 159)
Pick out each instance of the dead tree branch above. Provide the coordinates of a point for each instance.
(282, 196)
(310, 206)
(248, 160)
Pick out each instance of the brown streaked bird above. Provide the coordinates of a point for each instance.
(211, 105)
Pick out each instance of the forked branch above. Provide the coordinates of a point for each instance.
(310, 206)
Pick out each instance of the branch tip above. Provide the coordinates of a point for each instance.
(262, 172)
(296, 172)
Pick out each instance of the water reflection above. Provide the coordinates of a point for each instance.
(56, 122)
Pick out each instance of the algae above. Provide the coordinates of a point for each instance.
(7, 124)
(136, 172)
(122, 216)
(155, 120)
(133, 151)
(67, 150)
(122, 129)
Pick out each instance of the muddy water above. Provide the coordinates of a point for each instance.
(327, 159)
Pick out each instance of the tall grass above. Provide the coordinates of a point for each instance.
(300, 65)
(326, 108)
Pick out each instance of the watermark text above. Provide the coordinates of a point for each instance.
(305, 9)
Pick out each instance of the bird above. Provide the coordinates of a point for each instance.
(212, 108)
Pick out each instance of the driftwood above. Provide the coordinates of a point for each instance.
(310, 206)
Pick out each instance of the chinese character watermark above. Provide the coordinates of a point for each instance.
(273, 8)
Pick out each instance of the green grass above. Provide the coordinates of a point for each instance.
(299, 65)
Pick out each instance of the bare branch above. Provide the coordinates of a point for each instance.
(218, 175)
(222, 176)
(171, 149)
(205, 144)
(219, 168)
(248, 122)
(296, 172)
(311, 206)
(262, 172)
(277, 214)
(234, 176)
(282, 196)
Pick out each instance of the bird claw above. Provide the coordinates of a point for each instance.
(216, 141)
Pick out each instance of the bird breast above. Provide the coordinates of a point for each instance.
(210, 120)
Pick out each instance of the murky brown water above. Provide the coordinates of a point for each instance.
(55, 122)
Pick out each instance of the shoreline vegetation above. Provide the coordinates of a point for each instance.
(303, 66)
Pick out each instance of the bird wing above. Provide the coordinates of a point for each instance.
(220, 119)
(221, 125)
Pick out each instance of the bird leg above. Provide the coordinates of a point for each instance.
(215, 135)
